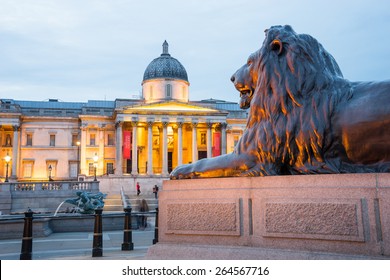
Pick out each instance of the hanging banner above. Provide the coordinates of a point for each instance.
(126, 144)
(217, 144)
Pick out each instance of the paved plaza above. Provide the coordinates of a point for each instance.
(78, 246)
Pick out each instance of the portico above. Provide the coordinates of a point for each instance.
(158, 137)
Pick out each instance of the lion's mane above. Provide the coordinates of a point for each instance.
(299, 85)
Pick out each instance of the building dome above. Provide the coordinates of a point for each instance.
(165, 67)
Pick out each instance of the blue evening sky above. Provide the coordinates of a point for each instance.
(79, 50)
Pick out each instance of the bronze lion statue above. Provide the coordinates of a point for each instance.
(304, 117)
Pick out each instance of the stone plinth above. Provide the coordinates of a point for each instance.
(336, 214)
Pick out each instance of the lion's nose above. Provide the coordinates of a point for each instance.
(233, 79)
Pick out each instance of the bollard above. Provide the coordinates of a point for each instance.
(155, 240)
(127, 244)
(26, 252)
(97, 250)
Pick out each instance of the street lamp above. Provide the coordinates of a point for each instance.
(7, 160)
(50, 169)
(95, 160)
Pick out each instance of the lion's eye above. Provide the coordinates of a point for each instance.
(249, 63)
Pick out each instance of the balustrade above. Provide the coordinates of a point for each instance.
(52, 186)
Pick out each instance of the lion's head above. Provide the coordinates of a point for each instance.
(286, 84)
(287, 61)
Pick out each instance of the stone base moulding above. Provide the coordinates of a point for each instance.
(346, 214)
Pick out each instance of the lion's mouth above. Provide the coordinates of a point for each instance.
(245, 97)
(245, 93)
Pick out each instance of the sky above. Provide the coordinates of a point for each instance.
(80, 50)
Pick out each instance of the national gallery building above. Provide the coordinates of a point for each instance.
(144, 137)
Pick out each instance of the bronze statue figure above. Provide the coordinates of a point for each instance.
(304, 117)
(87, 202)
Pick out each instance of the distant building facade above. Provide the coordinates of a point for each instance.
(149, 136)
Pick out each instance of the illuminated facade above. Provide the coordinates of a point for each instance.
(145, 137)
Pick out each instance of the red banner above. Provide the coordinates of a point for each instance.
(126, 144)
(216, 144)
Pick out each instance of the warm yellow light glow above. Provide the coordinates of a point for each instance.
(78, 143)
(172, 107)
(95, 158)
(7, 158)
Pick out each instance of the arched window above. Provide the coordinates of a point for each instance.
(168, 91)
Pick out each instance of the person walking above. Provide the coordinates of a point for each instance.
(155, 191)
(138, 189)
(142, 218)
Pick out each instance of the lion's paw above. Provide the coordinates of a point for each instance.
(183, 172)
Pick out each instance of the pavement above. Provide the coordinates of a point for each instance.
(78, 246)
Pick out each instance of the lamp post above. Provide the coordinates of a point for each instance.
(95, 160)
(50, 169)
(78, 143)
(7, 160)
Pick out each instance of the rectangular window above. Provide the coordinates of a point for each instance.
(110, 168)
(73, 166)
(52, 140)
(236, 138)
(92, 140)
(110, 139)
(168, 91)
(75, 139)
(203, 138)
(91, 169)
(29, 140)
(8, 140)
(27, 169)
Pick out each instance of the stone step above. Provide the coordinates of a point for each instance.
(113, 196)
(113, 208)
(113, 203)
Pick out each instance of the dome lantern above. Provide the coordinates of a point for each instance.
(165, 48)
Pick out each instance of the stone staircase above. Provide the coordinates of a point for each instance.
(134, 200)
(113, 202)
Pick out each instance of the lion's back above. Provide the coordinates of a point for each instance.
(363, 123)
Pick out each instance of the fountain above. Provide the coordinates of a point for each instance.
(58, 208)
(86, 202)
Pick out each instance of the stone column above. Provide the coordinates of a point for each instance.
(134, 148)
(150, 148)
(165, 149)
(83, 143)
(209, 141)
(119, 144)
(100, 166)
(15, 152)
(223, 138)
(179, 143)
(194, 142)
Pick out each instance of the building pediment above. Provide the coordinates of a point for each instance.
(171, 107)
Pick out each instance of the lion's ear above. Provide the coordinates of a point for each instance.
(277, 45)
